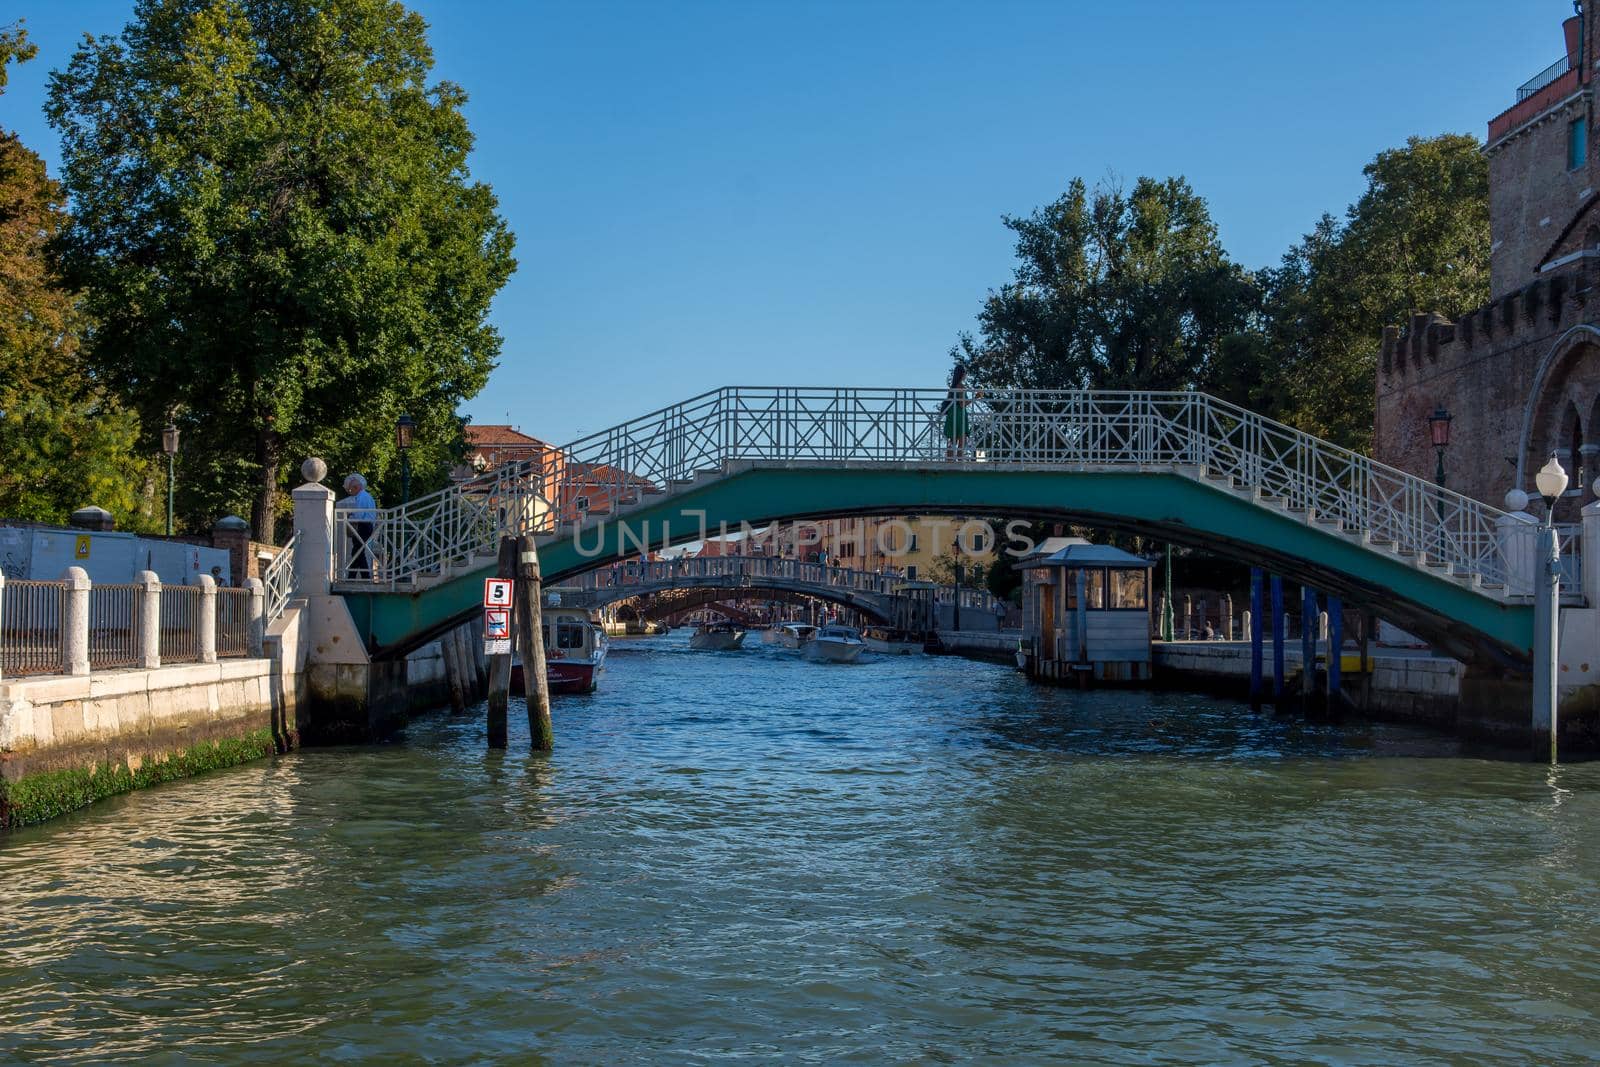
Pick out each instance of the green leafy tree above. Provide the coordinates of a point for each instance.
(1417, 239)
(281, 243)
(65, 442)
(1112, 290)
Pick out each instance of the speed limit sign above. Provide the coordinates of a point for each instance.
(497, 592)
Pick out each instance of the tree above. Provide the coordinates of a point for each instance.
(281, 243)
(1417, 239)
(1112, 290)
(65, 442)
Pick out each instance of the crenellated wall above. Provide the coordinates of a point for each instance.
(1482, 368)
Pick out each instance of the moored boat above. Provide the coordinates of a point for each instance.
(717, 637)
(835, 644)
(892, 642)
(574, 653)
(796, 634)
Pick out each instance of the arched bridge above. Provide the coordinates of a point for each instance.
(868, 592)
(1181, 467)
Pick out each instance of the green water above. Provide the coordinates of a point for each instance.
(743, 857)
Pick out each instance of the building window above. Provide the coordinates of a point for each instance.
(912, 545)
(1577, 144)
(1130, 589)
(1094, 588)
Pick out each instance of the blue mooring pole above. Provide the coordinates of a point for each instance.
(1280, 633)
(1257, 617)
(1335, 648)
(1308, 643)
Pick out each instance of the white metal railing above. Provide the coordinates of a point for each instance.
(1188, 432)
(646, 576)
(278, 580)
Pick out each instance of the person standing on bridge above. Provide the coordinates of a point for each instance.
(954, 410)
(362, 518)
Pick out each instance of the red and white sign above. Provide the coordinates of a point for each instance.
(497, 592)
(497, 624)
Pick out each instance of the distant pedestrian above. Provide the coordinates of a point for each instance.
(362, 518)
(954, 410)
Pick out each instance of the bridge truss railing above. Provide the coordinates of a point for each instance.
(1072, 430)
(647, 576)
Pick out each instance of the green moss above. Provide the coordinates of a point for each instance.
(37, 797)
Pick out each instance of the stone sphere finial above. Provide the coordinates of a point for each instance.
(1516, 500)
(313, 470)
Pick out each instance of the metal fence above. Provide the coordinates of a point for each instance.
(1547, 76)
(115, 626)
(180, 624)
(233, 622)
(1181, 432)
(30, 627)
(279, 580)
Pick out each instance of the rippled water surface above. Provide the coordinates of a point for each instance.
(743, 856)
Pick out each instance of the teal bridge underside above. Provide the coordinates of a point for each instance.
(1486, 632)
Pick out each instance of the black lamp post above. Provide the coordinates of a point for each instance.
(169, 445)
(1439, 431)
(405, 427)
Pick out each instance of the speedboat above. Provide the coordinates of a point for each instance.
(892, 642)
(574, 653)
(717, 637)
(835, 644)
(796, 634)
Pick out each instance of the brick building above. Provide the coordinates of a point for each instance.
(1521, 375)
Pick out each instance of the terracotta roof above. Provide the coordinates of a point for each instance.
(500, 437)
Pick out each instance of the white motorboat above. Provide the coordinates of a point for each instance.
(892, 642)
(835, 644)
(717, 637)
(796, 634)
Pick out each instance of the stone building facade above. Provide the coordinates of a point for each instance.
(1521, 375)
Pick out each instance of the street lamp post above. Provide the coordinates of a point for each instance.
(169, 445)
(405, 428)
(1552, 482)
(1439, 431)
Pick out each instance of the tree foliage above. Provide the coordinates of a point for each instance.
(1136, 292)
(1416, 240)
(65, 442)
(282, 245)
(1113, 290)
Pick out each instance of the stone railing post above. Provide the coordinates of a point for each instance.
(313, 531)
(1517, 535)
(1589, 555)
(75, 622)
(148, 605)
(208, 619)
(257, 626)
(2, 609)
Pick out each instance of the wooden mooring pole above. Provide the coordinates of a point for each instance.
(500, 664)
(529, 626)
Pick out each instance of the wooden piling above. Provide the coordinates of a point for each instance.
(530, 642)
(500, 665)
(453, 671)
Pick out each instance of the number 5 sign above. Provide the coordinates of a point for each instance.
(497, 592)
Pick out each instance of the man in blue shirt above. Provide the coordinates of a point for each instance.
(361, 513)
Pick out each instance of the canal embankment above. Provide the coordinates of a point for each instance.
(1402, 685)
(108, 687)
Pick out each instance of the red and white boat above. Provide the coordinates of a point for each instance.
(574, 653)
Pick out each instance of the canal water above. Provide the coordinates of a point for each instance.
(745, 857)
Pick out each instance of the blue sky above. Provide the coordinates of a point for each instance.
(810, 194)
